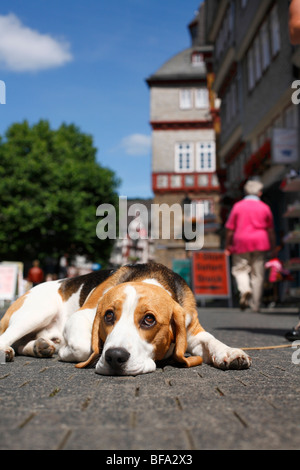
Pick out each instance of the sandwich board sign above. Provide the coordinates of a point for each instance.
(8, 281)
(211, 275)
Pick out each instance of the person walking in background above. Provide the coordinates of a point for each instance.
(294, 22)
(35, 274)
(249, 236)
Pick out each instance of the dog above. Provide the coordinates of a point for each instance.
(121, 321)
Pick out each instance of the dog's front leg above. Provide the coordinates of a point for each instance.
(216, 353)
(78, 336)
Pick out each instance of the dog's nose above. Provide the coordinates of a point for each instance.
(116, 357)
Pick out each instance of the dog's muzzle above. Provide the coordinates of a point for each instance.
(117, 358)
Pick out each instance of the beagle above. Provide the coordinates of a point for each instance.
(123, 321)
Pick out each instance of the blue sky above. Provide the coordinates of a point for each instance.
(85, 62)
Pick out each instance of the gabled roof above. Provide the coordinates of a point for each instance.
(180, 67)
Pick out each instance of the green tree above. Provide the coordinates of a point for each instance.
(50, 188)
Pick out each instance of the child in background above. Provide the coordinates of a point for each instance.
(277, 274)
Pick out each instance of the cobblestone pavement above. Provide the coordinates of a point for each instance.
(46, 404)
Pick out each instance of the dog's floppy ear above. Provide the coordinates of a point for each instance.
(181, 339)
(97, 345)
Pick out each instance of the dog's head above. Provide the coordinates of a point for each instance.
(137, 324)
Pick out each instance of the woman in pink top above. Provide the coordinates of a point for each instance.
(250, 234)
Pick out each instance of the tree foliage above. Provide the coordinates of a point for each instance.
(50, 188)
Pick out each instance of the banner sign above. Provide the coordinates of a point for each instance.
(8, 281)
(211, 275)
(285, 146)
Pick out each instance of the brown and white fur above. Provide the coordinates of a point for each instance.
(124, 321)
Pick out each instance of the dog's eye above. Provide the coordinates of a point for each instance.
(109, 317)
(148, 321)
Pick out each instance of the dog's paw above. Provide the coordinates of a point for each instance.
(8, 354)
(232, 359)
(43, 348)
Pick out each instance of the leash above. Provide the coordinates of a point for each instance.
(264, 348)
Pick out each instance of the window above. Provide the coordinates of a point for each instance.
(162, 181)
(215, 181)
(277, 123)
(257, 57)
(186, 100)
(202, 98)
(265, 46)
(231, 13)
(184, 157)
(197, 59)
(207, 206)
(203, 181)
(189, 181)
(194, 97)
(176, 181)
(275, 31)
(250, 67)
(231, 99)
(290, 117)
(197, 210)
(206, 157)
(261, 139)
(225, 31)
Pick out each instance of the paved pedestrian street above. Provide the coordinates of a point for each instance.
(47, 404)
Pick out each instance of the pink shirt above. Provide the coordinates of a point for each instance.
(250, 219)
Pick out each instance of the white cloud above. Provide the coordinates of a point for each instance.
(136, 145)
(25, 50)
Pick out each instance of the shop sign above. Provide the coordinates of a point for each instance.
(285, 146)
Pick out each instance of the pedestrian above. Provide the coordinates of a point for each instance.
(294, 22)
(35, 273)
(249, 236)
(277, 274)
(63, 267)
